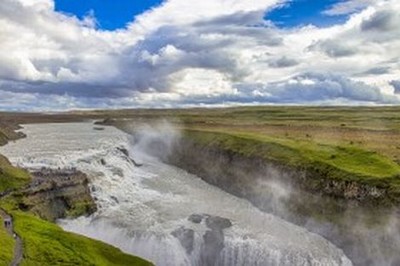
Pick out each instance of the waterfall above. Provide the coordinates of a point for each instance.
(163, 213)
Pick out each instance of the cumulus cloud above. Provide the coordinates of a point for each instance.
(314, 87)
(347, 7)
(384, 20)
(186, 52)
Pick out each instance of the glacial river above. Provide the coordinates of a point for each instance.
(144, 210)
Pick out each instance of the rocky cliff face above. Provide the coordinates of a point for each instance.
(243, 176)
(55, 194)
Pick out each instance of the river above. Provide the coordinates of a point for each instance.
(145, 210)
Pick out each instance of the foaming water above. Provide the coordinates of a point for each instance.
(144, 210)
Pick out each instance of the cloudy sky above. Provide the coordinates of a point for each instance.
(70, 54)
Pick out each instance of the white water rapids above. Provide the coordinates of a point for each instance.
(140, 208)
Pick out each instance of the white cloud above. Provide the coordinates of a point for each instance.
(197, 52)
(345, 7)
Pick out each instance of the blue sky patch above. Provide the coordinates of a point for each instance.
(110, 14)
(303, 12)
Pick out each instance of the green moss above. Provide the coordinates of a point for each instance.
(6, 245)
(11, 177)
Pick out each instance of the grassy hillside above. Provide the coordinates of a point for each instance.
(11, 177)
(47, 244)
(6, 245)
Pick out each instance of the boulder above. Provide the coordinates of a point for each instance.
(185, 237)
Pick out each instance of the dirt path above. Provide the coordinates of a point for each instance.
(18, 249)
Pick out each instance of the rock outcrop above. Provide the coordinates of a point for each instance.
(8, 132)
(55, 194)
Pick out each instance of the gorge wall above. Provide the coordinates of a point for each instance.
(359, 218)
